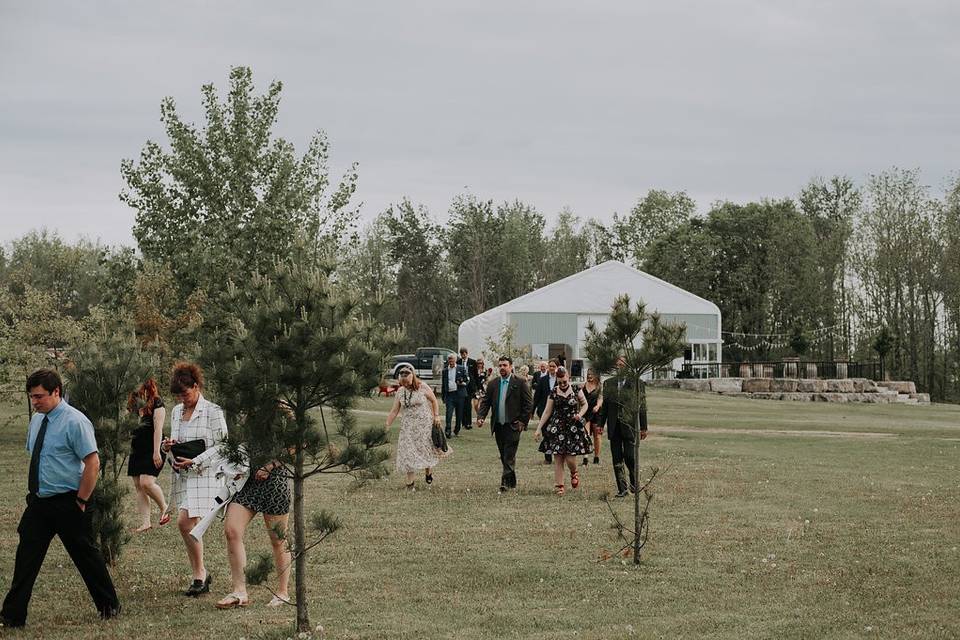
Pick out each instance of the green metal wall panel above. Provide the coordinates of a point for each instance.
(544, 328)
(700, 326)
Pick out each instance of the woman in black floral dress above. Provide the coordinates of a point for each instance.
(565, 435)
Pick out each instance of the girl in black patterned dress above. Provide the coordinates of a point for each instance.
(565, 435)
(266, 491)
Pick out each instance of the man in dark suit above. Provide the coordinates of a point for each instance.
(545, 385)
(509, 398)
(539, 373)
(472, 382)
(617, 413)
(453, 391)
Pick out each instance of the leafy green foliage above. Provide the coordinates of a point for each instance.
(227, 197)
(104, 368)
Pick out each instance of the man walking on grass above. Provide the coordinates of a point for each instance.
(511, 401)
(61, 477)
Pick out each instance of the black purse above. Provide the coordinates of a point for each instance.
(439, 438)
(189, 449)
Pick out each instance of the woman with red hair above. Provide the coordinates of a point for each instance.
(146, 461)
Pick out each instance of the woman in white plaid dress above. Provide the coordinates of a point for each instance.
(194, 479)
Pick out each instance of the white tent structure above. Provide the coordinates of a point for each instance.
(553, 319)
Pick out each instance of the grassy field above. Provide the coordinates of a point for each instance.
(771, 520)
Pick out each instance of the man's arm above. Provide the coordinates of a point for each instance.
(88, 480)
(602, 413)
(527, 398)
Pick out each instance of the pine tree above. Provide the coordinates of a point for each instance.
(289, 362)
(615, 350)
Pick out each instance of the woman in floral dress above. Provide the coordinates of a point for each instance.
(565, 435)
(419, 411)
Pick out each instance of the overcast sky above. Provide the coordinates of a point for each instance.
(573, 104)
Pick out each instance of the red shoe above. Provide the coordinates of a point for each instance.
(575, 479)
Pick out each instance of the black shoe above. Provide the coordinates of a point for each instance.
(468, 427)
(448, 434)
(6, 623)
(622, 494)
(585, 461)
(111, 612)
(596, 459)
(502, 489)
(429, 478)
(198, 587)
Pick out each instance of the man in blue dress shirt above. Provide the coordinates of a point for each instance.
(61, 477)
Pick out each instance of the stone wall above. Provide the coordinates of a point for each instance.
(803, 390)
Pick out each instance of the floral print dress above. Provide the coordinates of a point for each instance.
(415, 448)
(564, 434)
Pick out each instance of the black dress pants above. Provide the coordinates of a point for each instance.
(622, 452)
(42, 519)
(454, 404)
(508, 439)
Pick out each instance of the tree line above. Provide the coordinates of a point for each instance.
(822, 274)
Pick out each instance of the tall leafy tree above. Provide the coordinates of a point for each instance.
(415, 245)
(568, 248)
(654, 216)
(72, 274)
(226, 197)
(899, 244)
(831, 207)
(474, 238)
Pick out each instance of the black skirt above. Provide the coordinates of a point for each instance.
(270, 496)
(141, 454)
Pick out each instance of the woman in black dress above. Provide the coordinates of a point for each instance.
(565, 435)
(479, 380)
(592, 391)
(146, 461)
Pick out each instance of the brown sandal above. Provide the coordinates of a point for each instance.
(559, 489)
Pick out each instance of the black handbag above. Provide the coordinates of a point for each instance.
(189, 449)
(439, 438)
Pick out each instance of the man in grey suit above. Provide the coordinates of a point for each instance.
(510, 399)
